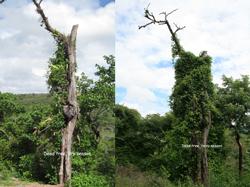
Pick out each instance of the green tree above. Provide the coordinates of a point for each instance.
(9, 106)
(154, 128)
(128, 145)
(233, 102)
(137, 138)
(9, 110)
(97, 99)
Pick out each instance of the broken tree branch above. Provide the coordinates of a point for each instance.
(163, 22)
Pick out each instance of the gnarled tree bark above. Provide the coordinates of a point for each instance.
(71, 110)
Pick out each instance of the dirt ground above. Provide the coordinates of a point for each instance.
(19, 183)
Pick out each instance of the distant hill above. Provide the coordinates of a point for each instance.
(33, 99)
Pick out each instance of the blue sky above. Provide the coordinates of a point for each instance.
(25, 47)
(144, 70)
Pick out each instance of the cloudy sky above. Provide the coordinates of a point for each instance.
(144, 71)
(25, 47)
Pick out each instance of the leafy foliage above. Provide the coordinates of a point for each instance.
(8, 106)
(98, 95)
(57, 73)
(83, 180)
(233, 101)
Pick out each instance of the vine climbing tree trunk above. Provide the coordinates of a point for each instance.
(71, 109)
(200, 172)
(204, 172)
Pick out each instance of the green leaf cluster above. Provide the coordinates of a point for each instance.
(57, 72)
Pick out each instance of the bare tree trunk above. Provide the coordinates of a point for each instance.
(62, 166)
(240, 153)
(70, 110)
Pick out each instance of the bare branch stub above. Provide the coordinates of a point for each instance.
(170, 12)
(163, 22)
(178, 28)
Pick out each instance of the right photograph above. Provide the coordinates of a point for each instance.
(182, 93)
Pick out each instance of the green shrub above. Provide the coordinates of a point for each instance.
(5, 175)
(83, 180)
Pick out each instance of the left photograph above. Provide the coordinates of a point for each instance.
(57, 93)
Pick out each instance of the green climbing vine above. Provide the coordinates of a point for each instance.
(191, 102)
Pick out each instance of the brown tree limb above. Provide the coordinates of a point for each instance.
(45, 21)
(44, 18)
(151, 17)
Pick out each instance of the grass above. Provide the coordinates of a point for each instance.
(7, 183)
(6, 178)
(130, 176)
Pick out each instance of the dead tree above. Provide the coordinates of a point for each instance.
(202, 162)
(71, 110)
(151, 17)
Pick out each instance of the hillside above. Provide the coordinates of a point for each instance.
(33, 99)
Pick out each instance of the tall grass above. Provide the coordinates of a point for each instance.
(130, 176)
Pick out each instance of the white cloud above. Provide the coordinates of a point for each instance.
(25, 44)
(8, 34)
(140, 95)
(132, 105)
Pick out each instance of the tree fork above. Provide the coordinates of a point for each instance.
(151, 17)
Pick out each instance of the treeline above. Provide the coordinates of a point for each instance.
(159, 150)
